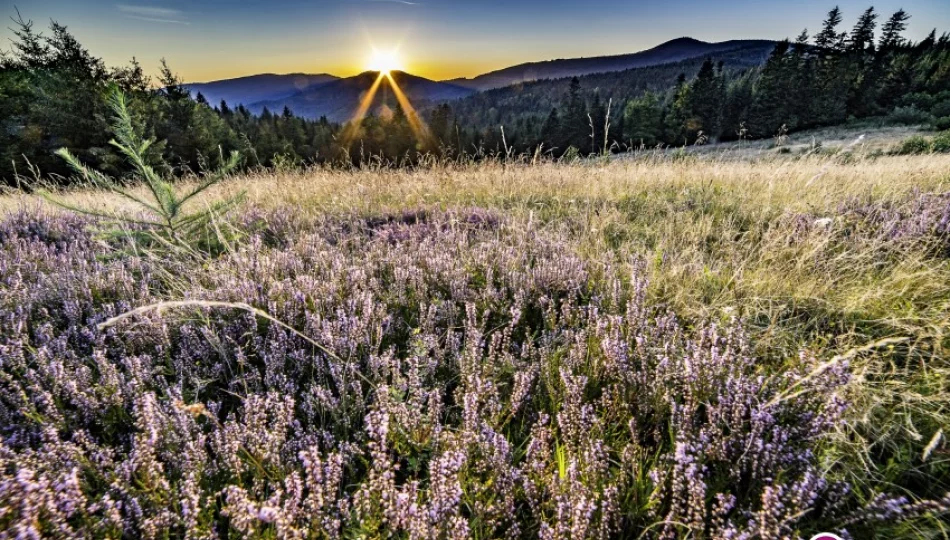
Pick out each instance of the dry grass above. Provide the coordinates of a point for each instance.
(715, 224)
(789, 183)
(875, 138)
(769, 239)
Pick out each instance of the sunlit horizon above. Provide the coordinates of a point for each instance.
(439, 40)
(385, 60)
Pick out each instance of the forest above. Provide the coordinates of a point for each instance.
(53, 94)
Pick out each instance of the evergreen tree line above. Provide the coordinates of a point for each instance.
(53, 94)
(524, 107)
(821, 80)
(805, 84)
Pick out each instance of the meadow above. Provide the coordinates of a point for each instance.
(662, 345)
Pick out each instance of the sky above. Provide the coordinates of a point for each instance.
(205, 40)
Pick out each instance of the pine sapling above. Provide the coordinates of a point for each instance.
(163, 222)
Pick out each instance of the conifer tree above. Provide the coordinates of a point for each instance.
(131, 79)
(829, 38)
(575, 124)
(864, 71)
(736, 107)
(643, 120)
(891, 32)
(831, 83)
(928, 42)
(676, 130)
(862, 36)
(439, 126)
(551, 130)
(706, 101)
(803, 102)
(770, 110)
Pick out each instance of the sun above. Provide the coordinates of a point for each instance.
(385, 61)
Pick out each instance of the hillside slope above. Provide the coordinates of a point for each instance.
(263, 87)
(504, 106)
(338, 100)
(671, 51)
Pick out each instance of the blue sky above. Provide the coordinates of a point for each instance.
(213, 39)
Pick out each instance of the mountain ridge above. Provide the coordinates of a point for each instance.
(259, 87)
(674, 50)
(338, 100)
(510, 104)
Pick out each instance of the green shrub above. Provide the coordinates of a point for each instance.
(941, 108)
(917, 144)
(908, 116)
(571, 155)
(918, 100)
(941, 143)
(942, 124)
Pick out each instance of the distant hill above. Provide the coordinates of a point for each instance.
(338, 100)
(264, 87)
(511, 104)
(671, 51)
(314, 96)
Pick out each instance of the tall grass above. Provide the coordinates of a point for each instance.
(652, 346)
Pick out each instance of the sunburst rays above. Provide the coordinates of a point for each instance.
(416, 125)
(353, 128)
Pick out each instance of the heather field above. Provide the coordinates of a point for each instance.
(657, 346)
